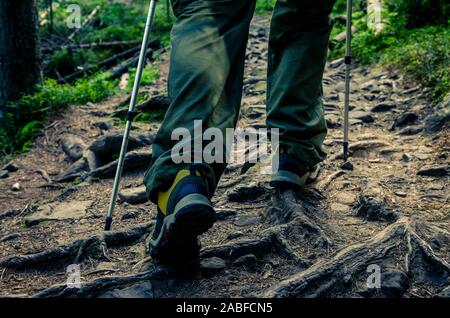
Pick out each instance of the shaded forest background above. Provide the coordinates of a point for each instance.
(89, 64)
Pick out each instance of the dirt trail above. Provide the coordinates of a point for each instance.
(391, 210)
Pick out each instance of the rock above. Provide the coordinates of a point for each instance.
(247, 192)
(248, 260)
(128, 215)
(383, 107)
(365, 117)
(10, 167)
(234, 235)
(134, 195)
(16, 187)
(73, 146)
(404, 120)
(394, 284)
(337, 63)
(139, 290)
(103, 125)
(347, 166)
(370, 97)
(4, 174)
(434, 171)
(133, 161)
(405, 157)
(439, 118)
(445, 293)
(246, 220)
(9, 237)
(222, 214)
(400, 194)
(212, 265)
(57, 211)
(409, 131)
(369, 86)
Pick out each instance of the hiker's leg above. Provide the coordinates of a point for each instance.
(209, 39)
(298, 45)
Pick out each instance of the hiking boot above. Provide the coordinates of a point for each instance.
(184, 213)
(289, 174)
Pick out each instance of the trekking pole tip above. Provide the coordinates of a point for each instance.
(108, 222)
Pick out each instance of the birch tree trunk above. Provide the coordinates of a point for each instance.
(375, 15)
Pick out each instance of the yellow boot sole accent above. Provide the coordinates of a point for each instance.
(163, 197)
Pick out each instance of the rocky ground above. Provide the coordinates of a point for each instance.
(388, 207)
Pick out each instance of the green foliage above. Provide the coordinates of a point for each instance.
(25, 116)
(417, 44)
(149, 75)
(265, 6)
(418, 13)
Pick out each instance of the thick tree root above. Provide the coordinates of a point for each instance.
(101, 285)
(300, 209)
(272, 241)
(398, 245)
(76, 251)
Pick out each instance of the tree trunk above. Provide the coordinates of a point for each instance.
(375, 15)
(19, 50)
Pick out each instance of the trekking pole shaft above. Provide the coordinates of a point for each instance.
(134, 94)
(348, 62)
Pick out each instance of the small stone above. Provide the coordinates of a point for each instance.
(222, 214)
(409, 131)
(347, 166)
(129, 215)
(246, 220)
(383, 107)
(405, 119)
(337, 63)
(234, 235)
(103, 125)
(369, 97)
(400, 194)
(434, 171)
(405, 158)
(10, 167)
(16, 187)
(248, 260)
(4, 174)
(365, 117)
(134, 195)
(212, 265)
(247, 192)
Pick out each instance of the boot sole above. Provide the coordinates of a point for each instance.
(177, 241)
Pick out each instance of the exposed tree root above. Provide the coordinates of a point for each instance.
(371, 209)
(271, 241)
(397, 245)
(301, 208)
(99, 286)
(76, 251)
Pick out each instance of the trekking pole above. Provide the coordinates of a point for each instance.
(348, 64)
(131, 113)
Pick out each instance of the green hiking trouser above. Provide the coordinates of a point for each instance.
(209, 40)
